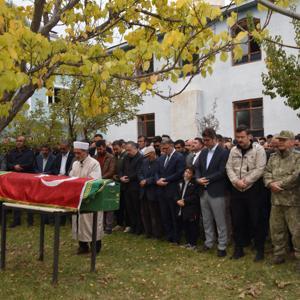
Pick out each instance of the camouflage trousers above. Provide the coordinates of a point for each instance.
(283, 218)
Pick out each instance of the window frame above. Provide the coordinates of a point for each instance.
(243, 23)
(144, 124)
(53, 97)
(250, 109)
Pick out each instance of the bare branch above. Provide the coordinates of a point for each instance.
(280, 10)
(56, 17)
(282, 44)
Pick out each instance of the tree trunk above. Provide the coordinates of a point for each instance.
(71, 128)
(85, 134)
(18, 100)
(71, 134)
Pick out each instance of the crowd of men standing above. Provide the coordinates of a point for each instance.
(207, 187)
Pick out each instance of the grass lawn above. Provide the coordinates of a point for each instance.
(131, 267)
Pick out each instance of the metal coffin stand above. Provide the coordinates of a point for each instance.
(106, 200)
(57, 214)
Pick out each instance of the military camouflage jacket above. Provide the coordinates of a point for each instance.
(284, 168)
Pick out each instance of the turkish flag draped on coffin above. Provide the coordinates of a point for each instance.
(46, 190)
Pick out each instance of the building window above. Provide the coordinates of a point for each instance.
(249, 113)
(55, 97)
(251, 49)
(146, 125)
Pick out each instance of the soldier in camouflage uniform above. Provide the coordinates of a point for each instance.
(282, 176)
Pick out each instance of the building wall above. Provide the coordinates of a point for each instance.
(227, 84)
(129, 131)
(182, 120)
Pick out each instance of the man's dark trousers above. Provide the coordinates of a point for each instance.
(247, 216)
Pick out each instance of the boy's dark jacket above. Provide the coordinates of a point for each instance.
(191, 209)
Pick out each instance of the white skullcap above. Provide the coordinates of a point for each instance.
(81, 145)
(148, 150)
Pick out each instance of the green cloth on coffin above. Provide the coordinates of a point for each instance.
(101, 195)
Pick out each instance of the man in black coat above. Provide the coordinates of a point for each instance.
(129, 179)
(63, 161)
(150, 210)
(120, 214)
(211, 175)
(193, 156)
(179, 146)
(170, 171)
(21, 160)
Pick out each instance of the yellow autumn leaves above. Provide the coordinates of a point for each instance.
(172, 33)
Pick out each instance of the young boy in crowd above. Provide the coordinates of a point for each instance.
(188, 207)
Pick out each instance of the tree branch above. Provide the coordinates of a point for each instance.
(282, 44)
(37, 15)
(56, 17)
(280, 10)
(157, 16)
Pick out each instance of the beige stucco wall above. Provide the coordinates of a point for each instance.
(184, 110)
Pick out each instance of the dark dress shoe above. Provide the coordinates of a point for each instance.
(205, 248)
(221, 253)
(238, 253)
(278, 260)
(259, 256)
(81, 250)
(108, 231)
(98, 246)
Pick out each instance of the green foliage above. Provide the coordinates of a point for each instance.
(118, 106)
(38, 125)
(170, 31)
(283, 70)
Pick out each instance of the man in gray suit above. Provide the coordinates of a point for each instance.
(211, 175)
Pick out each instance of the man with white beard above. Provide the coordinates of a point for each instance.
(82, 225)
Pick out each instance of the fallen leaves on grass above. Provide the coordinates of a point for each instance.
(282, 284)
(253, 290)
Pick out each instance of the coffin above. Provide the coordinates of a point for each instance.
(76, 194)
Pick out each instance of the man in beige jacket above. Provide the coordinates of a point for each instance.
(245, 167)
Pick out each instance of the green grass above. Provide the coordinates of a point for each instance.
(131, 267)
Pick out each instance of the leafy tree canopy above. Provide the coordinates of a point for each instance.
(283, 70)
(31, 54)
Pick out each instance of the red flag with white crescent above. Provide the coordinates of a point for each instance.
(46, 190)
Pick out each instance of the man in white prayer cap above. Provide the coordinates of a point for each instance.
(82, 225)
